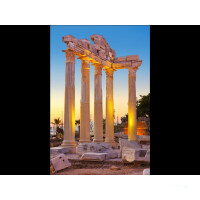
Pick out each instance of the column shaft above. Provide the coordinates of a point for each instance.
(109, 107)
(69, 104)
(85, 102)
(98, 110)
(132, 115)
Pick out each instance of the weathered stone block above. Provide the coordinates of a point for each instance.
(85, 43)
(133, 151)
(126, 143)
(59, 150)
(94, 156)
(69, 38)
(82, 148)
(130, 154)
(112, 154)
(147, 156)
(60, 162)
(95, 147)
(146, 171)
(120, 59)
(132, 57)
(143, 138)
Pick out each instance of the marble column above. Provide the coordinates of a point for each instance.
(69, 105)
(98, 110)
(132, 114)
(85, 102)
(109, 108)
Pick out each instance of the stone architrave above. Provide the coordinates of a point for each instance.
(85, 102)
(69, 114)
(98, 109)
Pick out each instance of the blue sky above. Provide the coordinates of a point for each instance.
(126, 40)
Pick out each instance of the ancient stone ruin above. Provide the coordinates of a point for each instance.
(102, 57)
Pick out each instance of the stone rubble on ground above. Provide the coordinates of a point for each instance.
(59, 150)
(94, 150)
(60, 162)
(133, 151)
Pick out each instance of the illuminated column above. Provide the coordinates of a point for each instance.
(69, 116)
(109, 108)
(98, 110)
(132, 115)
(85, 102)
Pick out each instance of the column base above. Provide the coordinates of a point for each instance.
(84, 141)
(97, 140)
(112, 143)
(71, 145)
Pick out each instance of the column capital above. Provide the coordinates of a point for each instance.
(132, 71)
(109, 72)
(70, 56)
(85, 64)
(98, 69)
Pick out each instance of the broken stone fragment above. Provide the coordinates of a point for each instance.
(96, 147)
(146, 171)
(85, 43)
(143, 138)
(102, 54)
(132, 57)
(94, 156)
(113, 53)
(129, 154)
(147, 156)
(60, 162)
(69, 38)
(60, 150)
(120, 59)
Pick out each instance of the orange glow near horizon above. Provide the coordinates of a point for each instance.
(120, 96)
(57, 107)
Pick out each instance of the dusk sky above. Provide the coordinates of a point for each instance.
(125, 40)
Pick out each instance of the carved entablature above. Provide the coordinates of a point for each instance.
(100, 52)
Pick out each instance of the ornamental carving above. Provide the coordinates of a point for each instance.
(100, 52)
(109, 72)
(70, 56)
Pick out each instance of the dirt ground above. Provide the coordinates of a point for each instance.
(124, 170)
